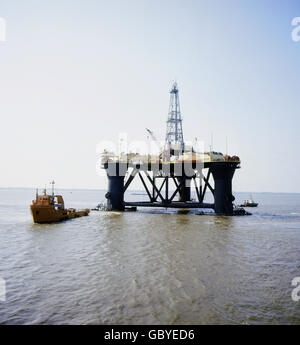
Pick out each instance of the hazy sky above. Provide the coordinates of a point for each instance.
(74, 73)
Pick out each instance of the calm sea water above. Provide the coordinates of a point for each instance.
(149, 267)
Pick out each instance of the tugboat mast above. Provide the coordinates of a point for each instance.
(52, 183)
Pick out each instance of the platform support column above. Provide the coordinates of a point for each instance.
(115, 194)
(223, 188)
(185, 190)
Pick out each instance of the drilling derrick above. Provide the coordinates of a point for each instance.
(174, 137)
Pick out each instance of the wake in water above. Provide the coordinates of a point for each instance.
(293, 215)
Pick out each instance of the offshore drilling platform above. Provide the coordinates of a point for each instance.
(177, 164)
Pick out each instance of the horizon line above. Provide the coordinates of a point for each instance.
(103, 189)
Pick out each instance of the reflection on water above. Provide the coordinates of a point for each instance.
(150, 266)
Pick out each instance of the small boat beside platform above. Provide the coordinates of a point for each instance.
(51, 208)
(249, 203)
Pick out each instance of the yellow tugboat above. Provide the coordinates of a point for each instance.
(51, 208)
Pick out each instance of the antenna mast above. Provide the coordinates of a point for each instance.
(52, 183)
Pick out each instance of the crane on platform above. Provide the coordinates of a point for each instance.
(153, 136)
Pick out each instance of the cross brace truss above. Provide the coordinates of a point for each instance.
(167, 199)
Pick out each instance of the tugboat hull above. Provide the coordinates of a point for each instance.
(47, 214)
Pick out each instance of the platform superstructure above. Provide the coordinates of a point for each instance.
(169, 177)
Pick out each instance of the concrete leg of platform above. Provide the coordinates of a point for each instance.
(223, 189)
